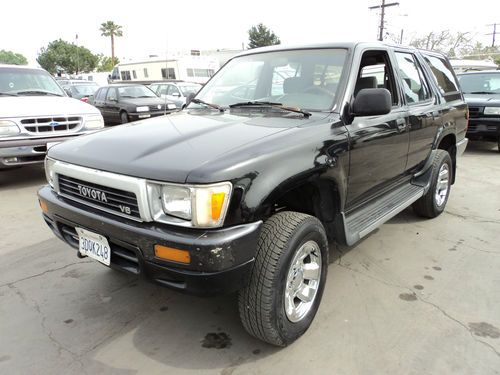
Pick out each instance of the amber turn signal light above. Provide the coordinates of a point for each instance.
(171, 254)
(44, 207)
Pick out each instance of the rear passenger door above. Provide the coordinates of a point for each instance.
(378, 144)
(422, 106)
(111, 106)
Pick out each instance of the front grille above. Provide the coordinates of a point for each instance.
(475, 111)
(51, 124)
(154, 108)
(123, 203)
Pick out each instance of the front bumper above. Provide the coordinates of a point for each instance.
(484, 128)
(27, 151)
(220, 258)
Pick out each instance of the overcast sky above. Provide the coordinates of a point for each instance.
(152, 27)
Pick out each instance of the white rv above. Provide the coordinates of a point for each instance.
(197, 69)
(461, 66)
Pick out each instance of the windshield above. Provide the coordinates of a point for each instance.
(480, 83)
(22, 81)
(306, 79)
(188, 89)
(85, 89)
(135, 92)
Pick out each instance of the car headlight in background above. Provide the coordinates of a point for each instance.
(492, 110)
(49, 171)
(205, 206)
(142, 109)
(8, 128)
(171, 106)
(94, 122)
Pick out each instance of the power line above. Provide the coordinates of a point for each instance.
(494, 33)
(382, 16)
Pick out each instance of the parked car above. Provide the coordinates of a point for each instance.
(36, 113)
(129, 102)
(68, 81)
(482, 93)
(81, 91)
(177, 92)
(244, 196)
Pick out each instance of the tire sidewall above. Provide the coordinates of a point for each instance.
(310, 230)
(123, 116)
(444, 159)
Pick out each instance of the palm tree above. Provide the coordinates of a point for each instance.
(109, 28)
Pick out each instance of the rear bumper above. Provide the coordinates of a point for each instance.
(27, 151)
(220, 258)
(461, 146)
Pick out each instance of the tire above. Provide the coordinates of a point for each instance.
(263, 303)
(432, 204)
(123, 117)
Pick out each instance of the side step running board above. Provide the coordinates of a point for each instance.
(364, 220)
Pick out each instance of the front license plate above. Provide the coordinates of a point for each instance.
(94, 245)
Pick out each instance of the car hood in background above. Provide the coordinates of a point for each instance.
(40, 106)
(491, 100)
(168, 148)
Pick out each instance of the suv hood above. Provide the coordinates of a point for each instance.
(40, 106)
(167, 148)
(492, 100)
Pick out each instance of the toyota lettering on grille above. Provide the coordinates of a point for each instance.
(92, 193)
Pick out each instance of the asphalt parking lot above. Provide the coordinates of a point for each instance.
(415, 297)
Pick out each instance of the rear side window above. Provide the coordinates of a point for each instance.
(444, 77)
(101, 95)
(413, 81)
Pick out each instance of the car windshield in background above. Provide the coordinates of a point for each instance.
(306, 79)
(135, 92)
(480, 83)
(22, 81)
(188, 89)
(85, 89)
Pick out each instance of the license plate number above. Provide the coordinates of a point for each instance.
(94, 245)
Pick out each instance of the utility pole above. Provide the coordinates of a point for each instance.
(382, 16)
(494, 33)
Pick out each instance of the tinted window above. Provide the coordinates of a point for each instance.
(415, 87)
(443, 74)
(135, 92)
(101, 95)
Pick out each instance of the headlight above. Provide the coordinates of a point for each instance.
(205, 206)
(492, 110)
(142, 109)
(171, 106)
(49, 171)
(94, 122)
(8, 128)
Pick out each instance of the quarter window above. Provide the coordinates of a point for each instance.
(444, 77)
(415, 87)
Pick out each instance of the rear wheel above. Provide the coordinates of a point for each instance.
(123, 117)
(432, 204)
(286, 283)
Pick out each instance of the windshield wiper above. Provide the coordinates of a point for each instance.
(211, 105)
(272, 105)
(8, 94)
(37, 92)
(481, 92)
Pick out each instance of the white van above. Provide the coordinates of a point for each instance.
(36, 113)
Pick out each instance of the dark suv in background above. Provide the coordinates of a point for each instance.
(482, 93)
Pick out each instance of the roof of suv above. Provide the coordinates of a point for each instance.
(20, 66)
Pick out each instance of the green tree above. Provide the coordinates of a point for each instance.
(9, 57)
(106, 63)
(61, 55)
(261, 36)
(111, 29)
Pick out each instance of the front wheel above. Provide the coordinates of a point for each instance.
(123, 117)
(432, 204)
(286, 282)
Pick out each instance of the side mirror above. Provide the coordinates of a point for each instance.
(372, 102)
(190, 97)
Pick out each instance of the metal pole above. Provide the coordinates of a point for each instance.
(382, 15)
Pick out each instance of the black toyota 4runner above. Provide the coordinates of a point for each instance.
(282, 151)
(482, 94)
